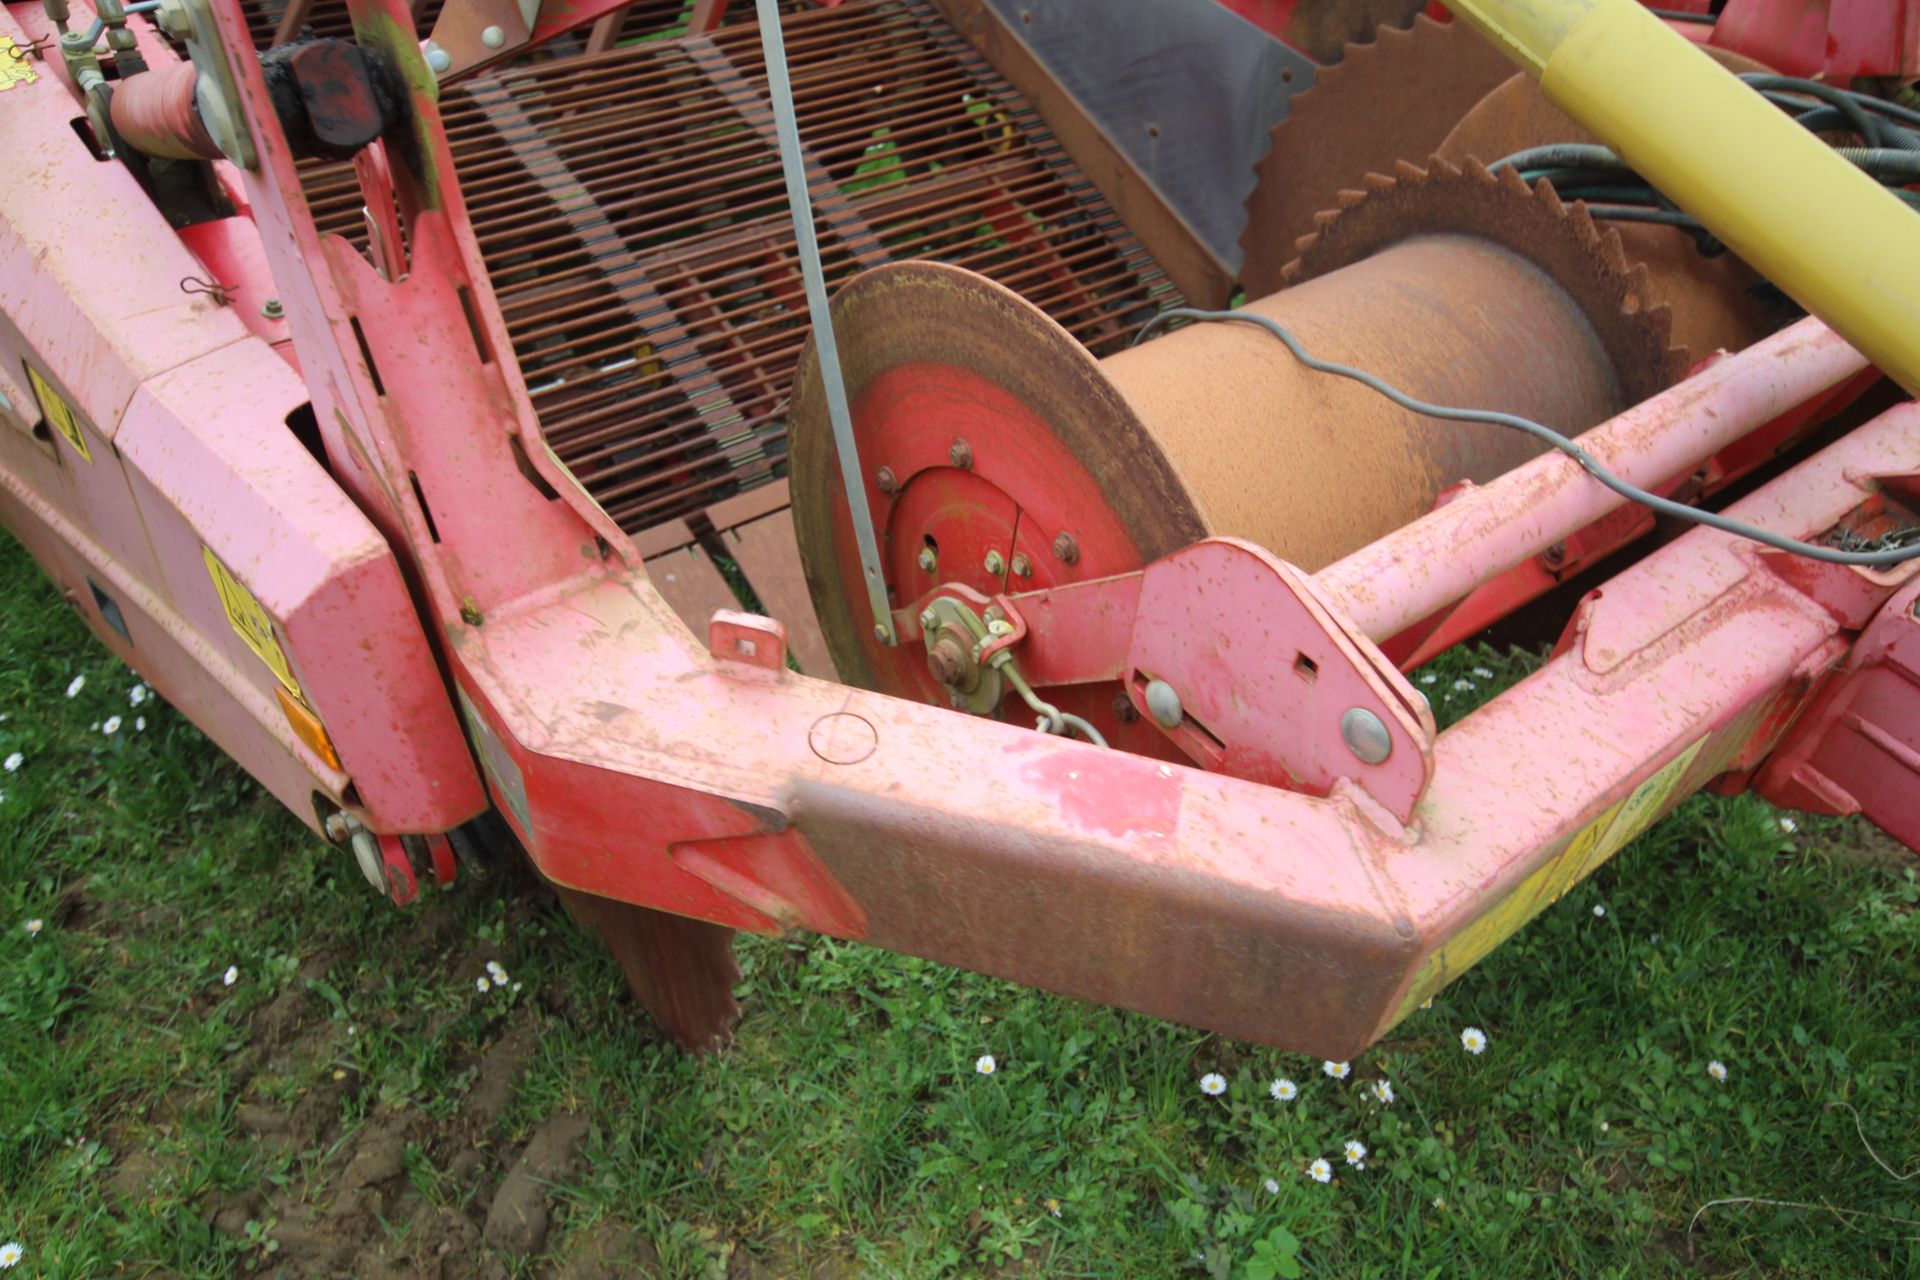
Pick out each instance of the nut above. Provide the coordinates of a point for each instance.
(960, 454)
(886, 482)
(928, 560)
(1065, 549)
(1022, 567)
(994, 565)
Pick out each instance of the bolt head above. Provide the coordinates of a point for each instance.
(1366, 735)
(272, 309)
(886, 482)
(438, 59)
(1065, 549)
(928, 560)
(960, 454)
(1022, 567)
(882, 633)
(1123, 709)
(1163, 704)
(928, 618)
(947, 663)
(999, 627)
(492, 37)
(994, 564)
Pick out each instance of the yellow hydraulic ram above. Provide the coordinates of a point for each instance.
(1836, 241)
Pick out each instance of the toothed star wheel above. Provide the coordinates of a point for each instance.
(1617, 297)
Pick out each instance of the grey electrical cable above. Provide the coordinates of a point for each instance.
(1592, 466)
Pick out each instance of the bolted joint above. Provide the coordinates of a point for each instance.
(1065, 549)
(928, 560)
(960, 454)
(886, 482)
(993, 564)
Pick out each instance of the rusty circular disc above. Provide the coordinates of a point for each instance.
(1395, 96)
(1715, 301)
(934, 355)
(1618, 298)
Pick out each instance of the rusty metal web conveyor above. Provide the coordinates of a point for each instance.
(632, 216)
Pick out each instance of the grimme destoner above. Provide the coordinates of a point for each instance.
(973, 476)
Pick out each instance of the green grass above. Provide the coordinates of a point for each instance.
(847, 1133)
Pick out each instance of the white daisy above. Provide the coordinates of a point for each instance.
(1338, 1070)
(1213, 1084)
(1427, 1003)
(111, 726)
(1473, 1040)
(1604, 1126)
(1283, 1090)
(137, 695)
(497, 970)
(516, 986)
(1439, 1202)
(140, 723)
(1356, 1153)
(1788, 825)
(1428, 678)
(1383, 1090)
(14, 762)
(1599, 912)
(1718, 1070)
(74, 688)
(1462, 686)
(1273, 1187)
(1483, 672)
(482, 985)
(34, 926)
(1320, 1171)
(985, 1064)
(10, 1255)
(231, 976)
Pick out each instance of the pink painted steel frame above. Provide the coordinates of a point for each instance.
(638, 763)
(185, 416)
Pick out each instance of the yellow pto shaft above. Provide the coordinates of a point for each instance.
(1834, 239)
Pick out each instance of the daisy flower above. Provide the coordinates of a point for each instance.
(1439, 1202)
(137, 695)
(1284, 1090)
(1789, 826)
(79, 683)
(1462, 686)
(14, 762)
(1338, 1070)
(482, 985)
(1053, 1206)
(1483, 672)
(985, 1064)
(1213, 1084)
(516, 986)
(1383, 1090)
(111, 726)
(231, 976)
(1718, 1070)
(1427, 1003)
(10, 1255)
(1428, 678)
(497, 970)
(1320, 1171)
(1599, 912)
(1356, 1153)
(140, 723)
(1273, 1187)
(34, 926)
(1473, 1040)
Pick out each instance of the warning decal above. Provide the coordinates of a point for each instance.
(250, 622)
(1592, 845)
(14, 67)
(59, 413)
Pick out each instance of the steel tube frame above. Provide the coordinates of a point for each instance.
(699, 776)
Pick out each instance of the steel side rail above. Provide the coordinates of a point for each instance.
(640, 768)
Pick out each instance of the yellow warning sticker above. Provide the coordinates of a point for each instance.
(1592, 845)
(59, 413)
(250, 622)
(15, 68)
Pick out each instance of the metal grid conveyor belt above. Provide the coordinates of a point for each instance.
(630, 209)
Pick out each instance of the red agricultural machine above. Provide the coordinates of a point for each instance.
(393, 386)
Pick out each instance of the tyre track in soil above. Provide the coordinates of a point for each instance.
(349, 1205)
